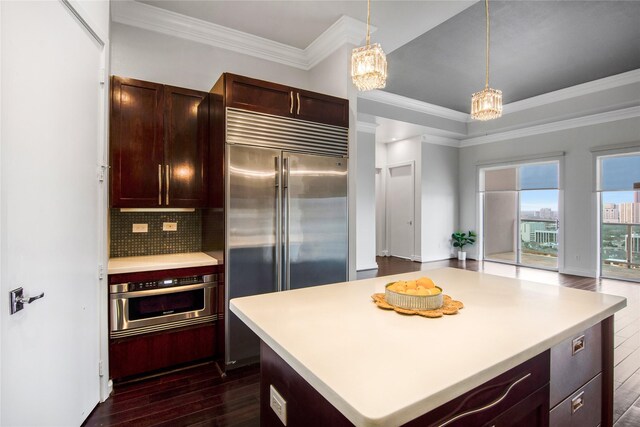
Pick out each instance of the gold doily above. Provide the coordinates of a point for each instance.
(449, 307)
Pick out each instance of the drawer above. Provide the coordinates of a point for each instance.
(574, 362)
(582, 409)
(489, 400)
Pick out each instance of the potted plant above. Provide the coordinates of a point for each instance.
(460, 240)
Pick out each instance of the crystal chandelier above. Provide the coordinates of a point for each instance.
(369, 63)
(486, 104)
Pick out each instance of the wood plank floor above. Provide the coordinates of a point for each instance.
(198, 396)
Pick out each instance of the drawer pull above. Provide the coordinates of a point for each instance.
(490, 405)
(577, 345)
(577, 402)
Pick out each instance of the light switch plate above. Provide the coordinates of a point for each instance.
(169, 226)
(140, 228)
(278, 404)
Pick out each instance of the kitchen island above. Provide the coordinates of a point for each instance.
(338, 359)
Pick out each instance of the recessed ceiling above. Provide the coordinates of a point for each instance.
(298, 23)
(536, 47)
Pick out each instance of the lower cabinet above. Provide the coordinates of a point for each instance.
(532, 411)
(144, 354)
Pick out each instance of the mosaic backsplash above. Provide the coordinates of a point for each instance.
(124, 242)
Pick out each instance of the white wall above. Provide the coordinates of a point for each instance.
(381, 214)
(577, 174)
(439, 191)
(365, 202)
(160, 58)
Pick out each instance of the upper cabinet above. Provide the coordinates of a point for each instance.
(271, 98)
(158, 145)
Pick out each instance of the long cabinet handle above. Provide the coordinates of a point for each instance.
(166, 177)
(490, 405)
(291, 103)
(298, 98)
(160, 185)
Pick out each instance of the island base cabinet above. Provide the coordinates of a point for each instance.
(519, 397)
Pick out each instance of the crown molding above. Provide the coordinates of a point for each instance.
(366, 127)
(594, 119)
(441, 140)
(345, 30)
(414, 105)
(611, 82)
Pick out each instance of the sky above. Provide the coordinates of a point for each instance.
(534, 200)
(617, 196)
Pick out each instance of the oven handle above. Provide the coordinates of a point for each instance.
(162, 291)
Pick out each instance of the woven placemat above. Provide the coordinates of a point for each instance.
(449, 307)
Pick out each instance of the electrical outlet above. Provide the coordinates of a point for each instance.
(278, 404)
(169, 226)
(140, 228)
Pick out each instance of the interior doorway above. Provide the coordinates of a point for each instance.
(400, 210)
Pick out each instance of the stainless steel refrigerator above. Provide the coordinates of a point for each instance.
(286, 213)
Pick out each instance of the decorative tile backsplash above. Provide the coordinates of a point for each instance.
(188, 237)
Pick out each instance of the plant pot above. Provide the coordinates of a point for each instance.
(462, 256)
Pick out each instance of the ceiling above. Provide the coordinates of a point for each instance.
(536, 47)
(436, 49)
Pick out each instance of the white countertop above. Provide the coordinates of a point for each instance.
(159, 262)
(381, 368)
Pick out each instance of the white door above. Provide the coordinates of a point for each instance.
(400, 221)
(51, 107)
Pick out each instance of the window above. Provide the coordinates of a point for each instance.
(619, 188)
(520, 214)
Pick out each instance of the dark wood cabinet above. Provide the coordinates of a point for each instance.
(272, 98)
(158, 145)
(137, 141)
(147, 353)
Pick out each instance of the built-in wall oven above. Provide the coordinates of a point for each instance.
(156, 305)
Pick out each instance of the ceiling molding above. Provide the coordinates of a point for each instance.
(440, 140)
(594, 119)
(366, 127)
(414, 105)
(345, 30)
(611, 82)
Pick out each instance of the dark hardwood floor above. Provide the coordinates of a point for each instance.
(199, 396)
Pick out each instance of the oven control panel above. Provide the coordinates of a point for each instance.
(165, 283)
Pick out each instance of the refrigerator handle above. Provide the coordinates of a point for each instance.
(278, 247)
(285, 222)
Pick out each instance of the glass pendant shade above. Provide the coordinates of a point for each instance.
(369, 67)
(486, 104)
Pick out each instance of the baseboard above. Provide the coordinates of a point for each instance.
(579, 272)
(373, 266)
(416, 258)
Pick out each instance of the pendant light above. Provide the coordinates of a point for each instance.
(369, 63)
(486, 104)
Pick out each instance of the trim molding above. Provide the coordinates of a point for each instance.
(366, 127)
(441, 140)
(611, 82)
(345, 30)
(594, 119)
(578, 272)
(414, 105)
(373, 266)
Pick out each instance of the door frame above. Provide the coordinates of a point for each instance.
(387, 183)
(101, 36)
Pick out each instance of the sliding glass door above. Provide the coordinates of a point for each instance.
(619, 187)
(520, 211)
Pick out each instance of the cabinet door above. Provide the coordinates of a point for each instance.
(532, 411)
(186, 126)
(258, 95)
(136, 143)
(316, 107)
